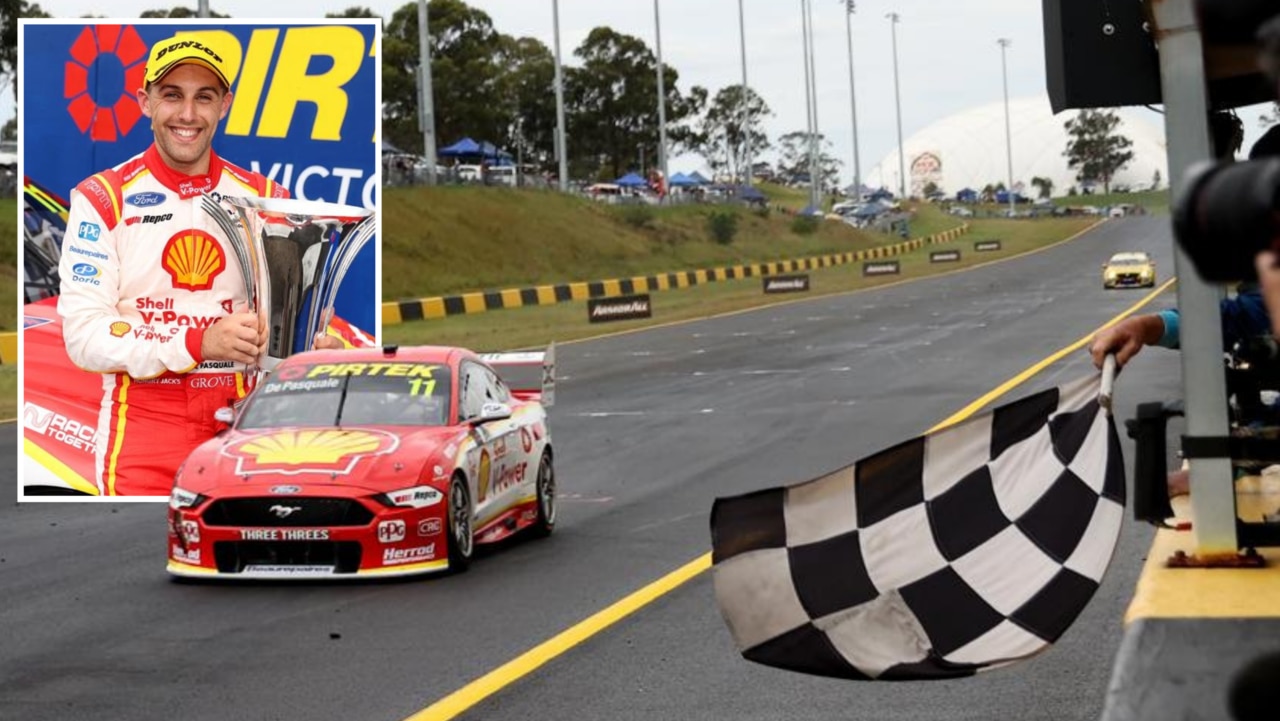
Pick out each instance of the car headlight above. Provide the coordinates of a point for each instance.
(415, 497)
(181, 498)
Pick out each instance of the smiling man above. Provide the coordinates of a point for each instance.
(151, 297)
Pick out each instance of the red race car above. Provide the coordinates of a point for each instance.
(370, 463)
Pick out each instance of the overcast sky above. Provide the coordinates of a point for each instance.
(948, 58)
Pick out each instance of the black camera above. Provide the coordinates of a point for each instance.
(1226, 214)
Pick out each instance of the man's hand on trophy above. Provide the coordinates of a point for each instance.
(237, 337)
(324, 341)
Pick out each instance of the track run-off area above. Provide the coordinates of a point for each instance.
(613, 616)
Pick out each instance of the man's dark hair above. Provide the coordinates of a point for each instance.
(1227, 133)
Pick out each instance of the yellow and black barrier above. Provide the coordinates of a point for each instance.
(8, 348)
(480, 302)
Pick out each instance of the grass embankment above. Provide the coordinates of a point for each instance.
(9, 264)
(596, 248)
(440, 241)
(1155, 201)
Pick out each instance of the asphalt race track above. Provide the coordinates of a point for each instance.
(649, 428)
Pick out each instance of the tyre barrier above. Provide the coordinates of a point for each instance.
(480, 302)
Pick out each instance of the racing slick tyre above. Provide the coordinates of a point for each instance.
(546, 492)
(461, 541)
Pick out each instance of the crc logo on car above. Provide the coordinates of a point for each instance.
(128, 52)
(85, 273)
(119, 328)
(391, 531)
(308, 451)
(396, 556)
(145, 200)
(193, 258)
(428, 527)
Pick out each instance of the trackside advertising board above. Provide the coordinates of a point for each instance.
(304, 111)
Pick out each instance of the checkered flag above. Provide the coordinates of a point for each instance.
(952, 553)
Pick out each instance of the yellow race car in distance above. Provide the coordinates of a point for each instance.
(1129, 269)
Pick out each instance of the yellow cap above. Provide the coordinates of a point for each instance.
(172, 52)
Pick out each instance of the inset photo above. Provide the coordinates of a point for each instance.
(200, 202)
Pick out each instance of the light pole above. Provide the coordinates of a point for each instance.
(662, 101)
(1008, 134)
(853, 102)
(808, 99)
(897, 100)
(428, 113)
(561, 152)
(811, 97)
(746, 111)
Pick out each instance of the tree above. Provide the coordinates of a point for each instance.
(465, 75)
(528, 89)
(178, 12)
(1044, 186)
(1095, 148)
(794, 160)
(612, 108)
(354, 12)
(722, 137)
(10, 11)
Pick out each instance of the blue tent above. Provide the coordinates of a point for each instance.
(680, 180)
(750, 194)
(466, 146)
(967, 195)
(631, 180)
(697, 178)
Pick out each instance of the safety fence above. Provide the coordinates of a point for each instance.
(483, 301)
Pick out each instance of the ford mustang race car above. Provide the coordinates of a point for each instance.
(1131, 269)
(370, 462)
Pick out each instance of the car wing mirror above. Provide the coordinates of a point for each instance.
(490, 412)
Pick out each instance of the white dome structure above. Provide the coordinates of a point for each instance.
(967, 150)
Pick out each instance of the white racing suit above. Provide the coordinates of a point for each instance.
(144, 271)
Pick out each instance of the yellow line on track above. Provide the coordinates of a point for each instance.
(529, 661)
(508, 673)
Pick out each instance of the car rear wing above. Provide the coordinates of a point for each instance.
(531, 375)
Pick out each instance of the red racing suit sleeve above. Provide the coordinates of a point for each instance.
(97, 337)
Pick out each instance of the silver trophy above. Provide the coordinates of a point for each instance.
(286, 249)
